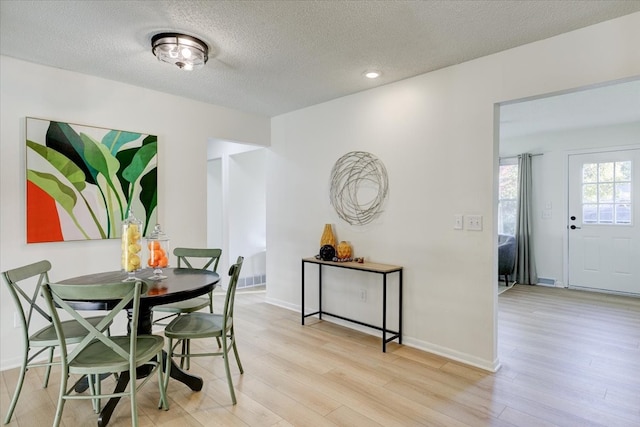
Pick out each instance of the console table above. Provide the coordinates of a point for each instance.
(370, 267)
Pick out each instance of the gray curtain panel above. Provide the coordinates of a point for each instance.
(525, 270)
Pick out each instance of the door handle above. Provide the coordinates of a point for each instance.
(573, 227)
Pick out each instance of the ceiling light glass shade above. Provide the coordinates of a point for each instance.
(186, 52)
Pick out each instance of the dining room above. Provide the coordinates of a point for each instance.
(413, 126)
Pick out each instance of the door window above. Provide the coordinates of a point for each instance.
(606, 193)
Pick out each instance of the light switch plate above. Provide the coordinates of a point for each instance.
(458, 222)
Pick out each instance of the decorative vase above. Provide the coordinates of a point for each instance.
(158, 244)
(328, 238)
(131, 234)
(344, 250)
(327, 253)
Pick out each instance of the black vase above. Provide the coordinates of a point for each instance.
(327, 253)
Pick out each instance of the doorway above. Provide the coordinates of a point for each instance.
(597, 119)
(236, 208)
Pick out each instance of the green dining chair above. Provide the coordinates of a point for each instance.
(25, 284)
(200, 325)
(202, 258)
(98, 354)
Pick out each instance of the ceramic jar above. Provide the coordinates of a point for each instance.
(344, 250)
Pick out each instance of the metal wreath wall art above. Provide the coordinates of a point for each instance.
(359, 187)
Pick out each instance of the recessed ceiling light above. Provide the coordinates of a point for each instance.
(372, 74)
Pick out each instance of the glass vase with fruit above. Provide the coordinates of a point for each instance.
(158, 245)
(131, 235)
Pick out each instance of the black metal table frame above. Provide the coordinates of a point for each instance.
(360, 267)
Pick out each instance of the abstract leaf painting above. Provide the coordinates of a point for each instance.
(82, 180)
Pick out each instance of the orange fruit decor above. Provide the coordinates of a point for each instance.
(158, 244)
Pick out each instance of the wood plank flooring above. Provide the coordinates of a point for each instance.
(569, 358)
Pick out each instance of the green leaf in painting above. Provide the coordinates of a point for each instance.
(149, 195)
(125, 157)
(63, 139)
(62, 163)
(100, 158)
(139, 163)
(115, 139)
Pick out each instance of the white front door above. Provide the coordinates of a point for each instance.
(604, 221)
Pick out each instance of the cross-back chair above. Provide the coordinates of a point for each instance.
(98, 354)
(30, 314)
(200, 325)
(202, 258)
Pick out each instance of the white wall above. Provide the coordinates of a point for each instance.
(183, 128)
(247, 209)
(214, 203)
(435, 135)
(550, 188)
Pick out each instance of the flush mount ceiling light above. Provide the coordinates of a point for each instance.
(185, 51)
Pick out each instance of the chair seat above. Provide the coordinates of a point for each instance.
(73, 332)
(188, 306)
(195, 325)
(98, 358)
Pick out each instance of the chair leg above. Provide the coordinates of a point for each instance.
(63, 388)
(225, 356)
(185, 350)
(164, 403)
(188, 362)
(48, 370)
(235, 351)
(132, 397)
(167, 362)
(16, 393)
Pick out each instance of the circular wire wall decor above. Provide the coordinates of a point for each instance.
(359, 187)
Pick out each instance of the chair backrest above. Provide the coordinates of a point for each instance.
(234, 273)
(123, 294)
(26, 302)
(506, 253)
(202, 258)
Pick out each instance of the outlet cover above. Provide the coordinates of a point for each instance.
(473, 222)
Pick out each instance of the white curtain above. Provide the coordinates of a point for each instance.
(525, 270)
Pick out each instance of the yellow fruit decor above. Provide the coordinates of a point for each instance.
(131, 229)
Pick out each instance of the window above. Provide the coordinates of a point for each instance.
(606, 193)
(508, 197)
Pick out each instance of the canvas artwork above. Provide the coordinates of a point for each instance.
(82, 181)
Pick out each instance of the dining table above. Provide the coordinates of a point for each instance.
(178, 284)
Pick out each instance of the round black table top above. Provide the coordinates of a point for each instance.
(179, 285)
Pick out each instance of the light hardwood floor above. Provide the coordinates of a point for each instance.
(569, 358)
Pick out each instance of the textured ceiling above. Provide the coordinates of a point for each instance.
(272, 57)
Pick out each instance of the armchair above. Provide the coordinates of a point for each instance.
(506, 256)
